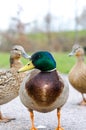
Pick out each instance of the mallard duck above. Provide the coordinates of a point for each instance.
(10, 80)
(77, 75)
(43, 90)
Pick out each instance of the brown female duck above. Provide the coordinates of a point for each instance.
(77, 75)
(10, 80)
(43, 90)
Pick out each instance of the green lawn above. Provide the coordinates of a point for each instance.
(64, 62)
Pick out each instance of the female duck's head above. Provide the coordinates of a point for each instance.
(41, 60)
(16, 53)
(77, 50)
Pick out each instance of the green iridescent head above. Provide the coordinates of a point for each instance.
(41, 60)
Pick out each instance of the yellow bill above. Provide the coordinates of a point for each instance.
(28, 66)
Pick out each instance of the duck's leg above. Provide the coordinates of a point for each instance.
(83, 102)
(5, 119)
(32, 120)
(58, 115)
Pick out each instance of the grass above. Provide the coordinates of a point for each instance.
(4, 60)
(64, 62)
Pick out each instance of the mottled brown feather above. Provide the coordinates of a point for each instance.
(77, 77)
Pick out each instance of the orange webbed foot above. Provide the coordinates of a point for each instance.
(82, 103)
(59, 128)
(6, 119)
(33, 128)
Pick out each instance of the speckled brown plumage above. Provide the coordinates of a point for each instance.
(10, 80)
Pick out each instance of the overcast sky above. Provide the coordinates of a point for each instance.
(33, 9)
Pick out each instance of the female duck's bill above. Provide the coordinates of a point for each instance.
(25, 55)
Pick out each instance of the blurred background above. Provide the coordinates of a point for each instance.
(53, 25)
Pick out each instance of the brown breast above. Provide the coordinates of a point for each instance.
(44, 88)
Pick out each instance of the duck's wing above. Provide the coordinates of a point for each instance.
(81, 80)
(77, 76)
(4, 76)
(82, 75)
(7, 77)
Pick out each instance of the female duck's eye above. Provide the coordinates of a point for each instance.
(16, 49)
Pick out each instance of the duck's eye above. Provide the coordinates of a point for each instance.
(16, 49)
(37, 57)
(77, 48)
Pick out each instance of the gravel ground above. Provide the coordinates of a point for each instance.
(73, 116)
